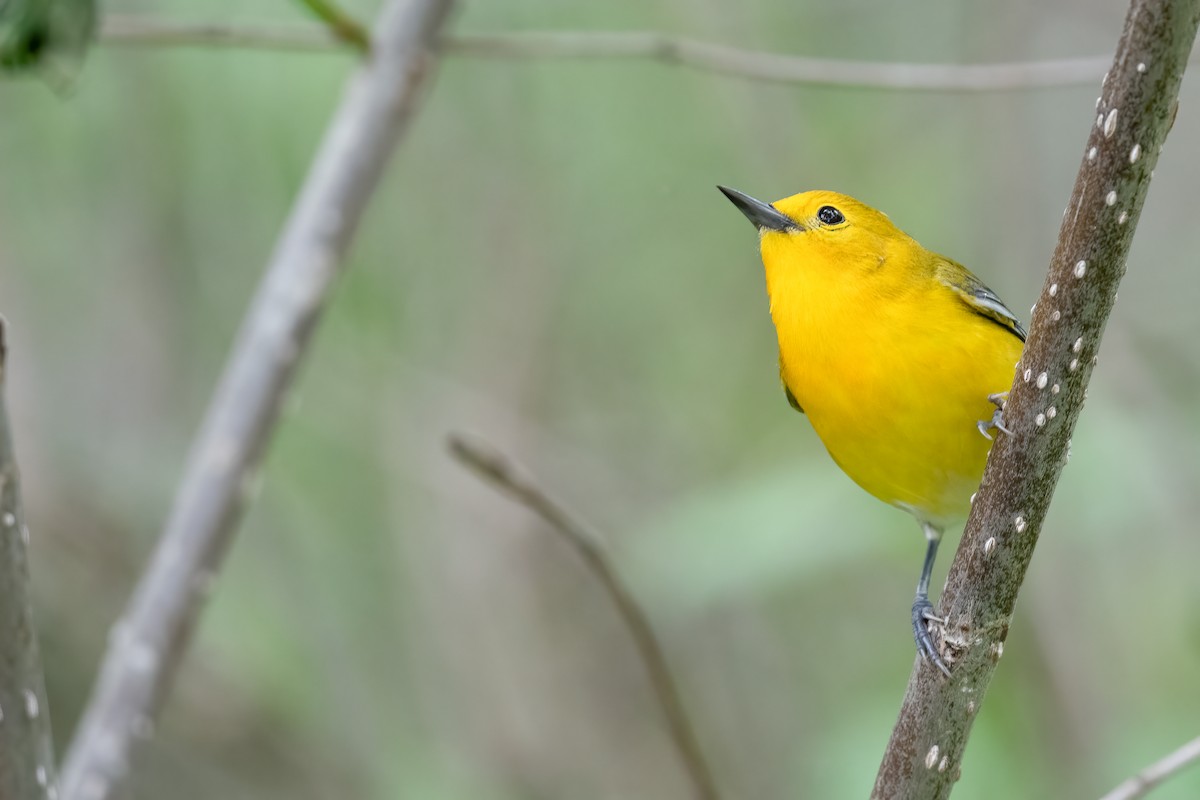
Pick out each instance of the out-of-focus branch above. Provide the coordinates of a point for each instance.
(150, 640)
(778, 68)
(1137, 105)
(26, 749)
(344, 27)
(493, 467)
(1141, 784)
(128, 31)
(648, 45)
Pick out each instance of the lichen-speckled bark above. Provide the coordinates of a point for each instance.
(1137, 105)
(26, 750)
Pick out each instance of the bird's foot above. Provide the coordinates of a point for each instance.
(996, 422)
(922, 616)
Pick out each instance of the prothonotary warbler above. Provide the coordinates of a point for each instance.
(898, 356)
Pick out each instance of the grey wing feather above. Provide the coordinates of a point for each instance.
(980, 298)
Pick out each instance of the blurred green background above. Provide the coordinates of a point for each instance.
(549, 264)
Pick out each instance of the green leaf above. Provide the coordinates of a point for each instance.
(46, 34)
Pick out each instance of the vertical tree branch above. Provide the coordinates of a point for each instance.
(149, 642)
(1135, 111)
(26, 749)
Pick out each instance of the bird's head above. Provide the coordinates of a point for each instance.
(822, 230)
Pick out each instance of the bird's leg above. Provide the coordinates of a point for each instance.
(922, 609)
(997, 420)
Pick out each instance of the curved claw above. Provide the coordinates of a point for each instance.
(997, 422)
(922, 615)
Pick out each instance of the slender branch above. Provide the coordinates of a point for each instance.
(493, 467)
(1136, 108)
(26, 749)
(778, 68)
(1141, 784)
(151, 638)
(128, 31)
(343, 26)
(649, 45)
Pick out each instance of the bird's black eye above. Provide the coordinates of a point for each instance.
(830, 215)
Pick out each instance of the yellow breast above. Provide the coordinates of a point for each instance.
(894, 373)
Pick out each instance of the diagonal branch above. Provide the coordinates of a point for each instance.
(664, 48)
(1135, 111)
(340, 23)
(497, 470)
(151, 638)
(1139, 785)
(26, 749)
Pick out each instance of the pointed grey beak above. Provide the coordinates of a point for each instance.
(763, 216)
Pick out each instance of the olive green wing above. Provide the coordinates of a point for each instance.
(978, 297)
(791, 398)
(787, 391)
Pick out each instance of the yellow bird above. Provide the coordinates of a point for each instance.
(898, 356)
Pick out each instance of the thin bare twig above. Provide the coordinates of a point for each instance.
(492, 466)
(1141, 784)
(650, 45)
(778, 68)
(129, 31)
(1138, 100)
(339, 21)
(150, 640)
(27, 770)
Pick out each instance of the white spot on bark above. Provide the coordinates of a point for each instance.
(1075, 348)
(1040, 420)
(1092, 154)
(1080, 268)
(1051, 412)
(1135, 153)
(1121, 219)
(931, 758)
(1141, 67)
(31, 704)
(1110, 123)
(1019, 523)
(1053, 289)
(1041, 381)
(1074, 365)
(1110, 199)
(989, 545)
